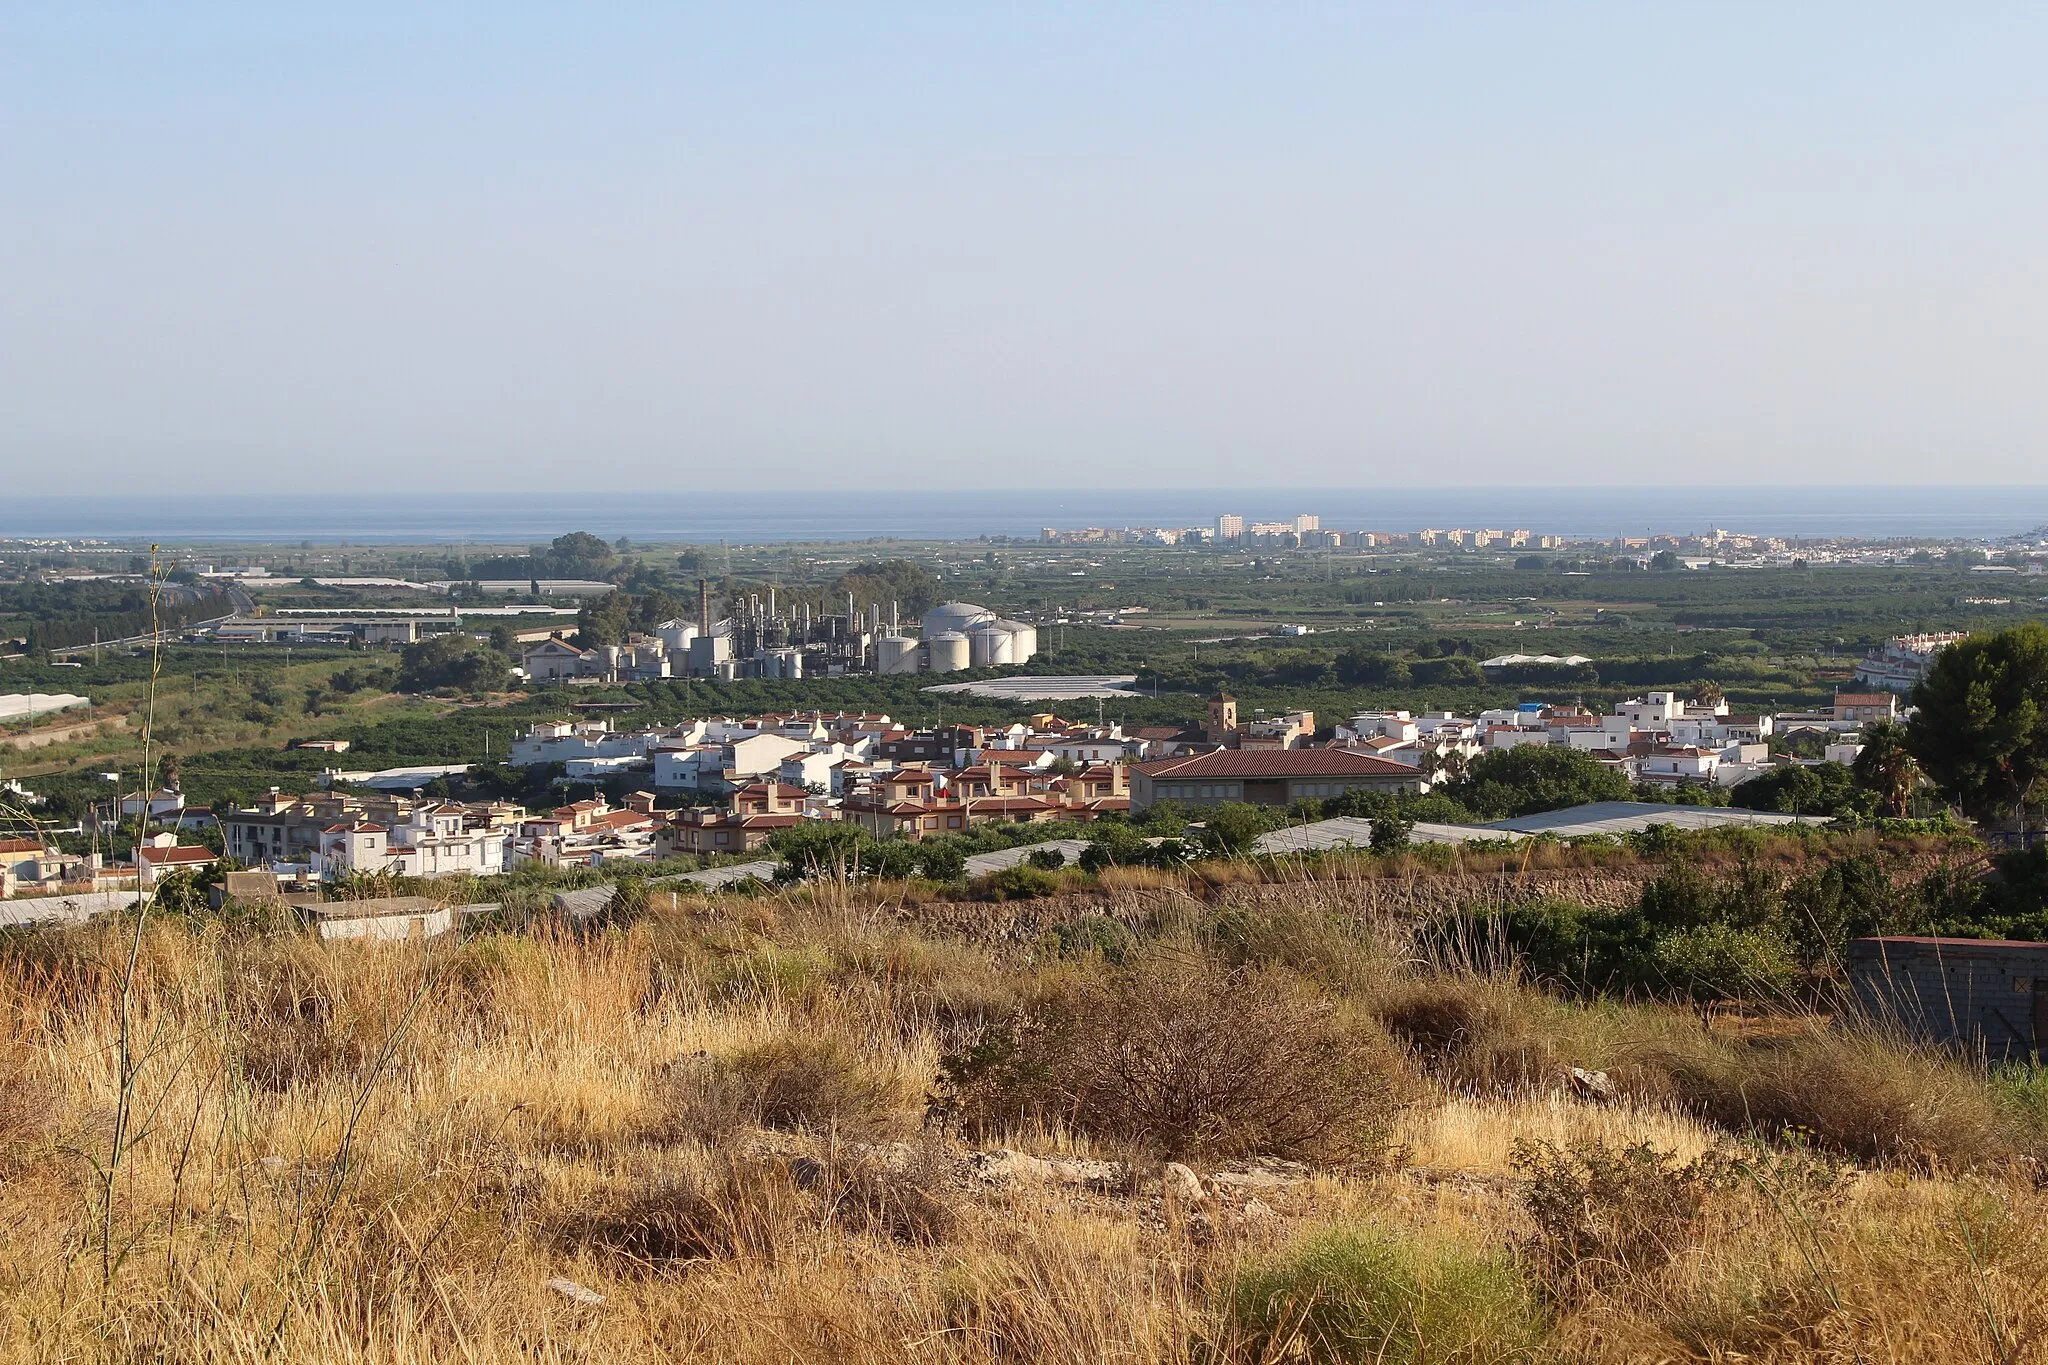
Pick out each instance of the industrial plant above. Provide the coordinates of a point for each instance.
(759, 638)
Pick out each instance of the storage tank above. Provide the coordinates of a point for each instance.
(895, 654)
(955, 617)
(1023, 640)
(989, 646)
(950, 652)
(676, 635)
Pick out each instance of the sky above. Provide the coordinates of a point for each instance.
(434, 248)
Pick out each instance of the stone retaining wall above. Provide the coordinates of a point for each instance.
(1419, 895)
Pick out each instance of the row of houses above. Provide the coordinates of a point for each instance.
(1659, 739)
(730, 783)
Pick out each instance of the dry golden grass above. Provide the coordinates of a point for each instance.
(387, 1153)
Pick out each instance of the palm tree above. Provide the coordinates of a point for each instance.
(1454, 762)
(1707, 692)
(1886, 766)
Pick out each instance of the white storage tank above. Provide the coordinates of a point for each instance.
(895, 654)
(950, 652)
(956, 617)
(676, 636)
(1023, 640)
(989, 646)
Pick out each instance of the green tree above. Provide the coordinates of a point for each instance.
(1535, 777)
(1390, 832)
(1231, 829)
(578, 554)
(1363, 668)
(652, 608)
(458, 660)
(942, 860)
(1886, 768)
(1805, 789)
(1450, 671)
(1980, 727)
(606, 621)
(830, 848)
(902, 581)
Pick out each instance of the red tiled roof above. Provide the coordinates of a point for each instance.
(175, 855)
(21, 846)
(1257, 763)
(1009, 803)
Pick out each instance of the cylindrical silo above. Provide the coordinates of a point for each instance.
(950, 652)
(1023, 640)
(988, 646)
(677, 636)
(895, 654)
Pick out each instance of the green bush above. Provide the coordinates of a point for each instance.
(1022, 882)
(1722, 962)
(1372, 1294)
(1092, 935)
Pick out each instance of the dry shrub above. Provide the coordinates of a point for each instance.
(282, 1019)
(28, 1110)
(793, 1083)
(942, 983)
(478, 984)
(1604, 1212)
(1180, 1055)
(1850, 1091)
(1475, 1036)
(742, 1210)
(867, 1195)
(1320, 941)
(1057, 1293)
(704, 1099)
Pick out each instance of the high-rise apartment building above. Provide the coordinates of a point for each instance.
(1229, 527)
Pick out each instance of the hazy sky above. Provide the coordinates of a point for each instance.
(259, 248)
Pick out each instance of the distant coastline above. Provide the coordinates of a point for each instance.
(760, 516)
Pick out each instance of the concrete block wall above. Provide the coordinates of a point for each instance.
(1984, 996)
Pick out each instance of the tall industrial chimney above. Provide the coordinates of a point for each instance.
(704, 607)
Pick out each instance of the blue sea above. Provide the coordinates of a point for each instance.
(755, 517)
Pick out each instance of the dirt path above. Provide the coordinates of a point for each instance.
(57, 734)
